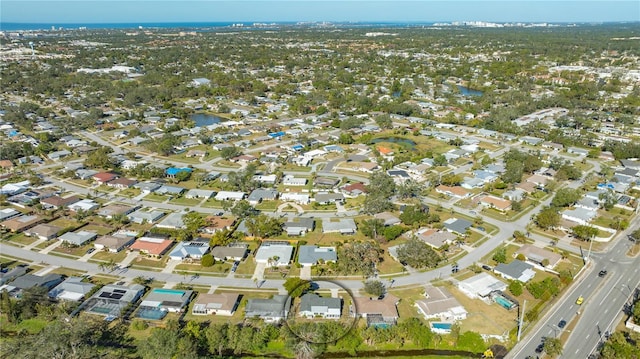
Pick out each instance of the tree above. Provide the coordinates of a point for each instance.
(552, 346)
(100, 159)
(243, 209)
(384, 121)
(296, 287)
(566, 197)
(418, 254)
(376, 203)
(439, 160)
(608, 199)
(451, 179)
(548, 218)
(216, 336)
(161, 344)
(515, 287)
(358, 258)
(414, 215)
(345, 138)
(392, 232)
(374, 287)
(193, 221)
(500, 255)
(513, 171)
(230, 152)
(207, 260)
(264, 226)
(372, 228)
(585, 233)
(409, 189)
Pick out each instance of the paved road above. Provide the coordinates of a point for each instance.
(604, 299)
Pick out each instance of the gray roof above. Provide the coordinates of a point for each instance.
(147, 186)
(302, 225)
(311, 302)
(7, 213)
(78, 238)
(457, 225)
(230, 251)
(13, 273)
(140, 216)
(310, 254)
(194, 249)
(260, 194)
(73, 285)
(173, 220)
(515, 269)
(269, 250)
(31, 280)
(170, 190)
(344, 225)
(329, 197)
(277, 306)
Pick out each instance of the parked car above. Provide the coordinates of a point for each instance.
(486, 267)
(91, 250)
(562, 324)
(235, 266)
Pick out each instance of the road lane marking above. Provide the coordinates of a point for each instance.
(587, 337)
(606, 311)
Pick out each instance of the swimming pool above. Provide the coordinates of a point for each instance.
(151, 313)
(503, 302)
(441, 326)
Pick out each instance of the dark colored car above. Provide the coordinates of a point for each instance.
(486, 267)
(91, 250)
(602, 273)
(235, 266)
(562, 324)
(540, 348)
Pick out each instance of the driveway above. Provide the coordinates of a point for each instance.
(259, 272)
(305, 272)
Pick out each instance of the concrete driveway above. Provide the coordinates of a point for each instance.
(258, 273)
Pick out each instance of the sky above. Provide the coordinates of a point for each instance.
(148, 11)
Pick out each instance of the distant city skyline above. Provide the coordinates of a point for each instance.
(154, 11)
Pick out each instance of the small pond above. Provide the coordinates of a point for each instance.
(204, 120)
(399, 140)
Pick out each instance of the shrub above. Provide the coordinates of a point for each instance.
(207, 260)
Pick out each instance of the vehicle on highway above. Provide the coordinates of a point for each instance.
(579, 300)
(562, 324)
(540, 348)
(602, 273)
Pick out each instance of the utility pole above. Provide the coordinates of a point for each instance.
(521, 318)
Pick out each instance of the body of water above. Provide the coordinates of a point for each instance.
(465, 91)
(400, 140)
(204, 120)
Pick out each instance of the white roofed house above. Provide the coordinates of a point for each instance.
(342, 226)
(216, 304)
(78, 238)
(274, 254)
(229, 196)
(439, 303)
(200, 193)
(168, 300)
(297, 197)
(481, 285)
(172, 221)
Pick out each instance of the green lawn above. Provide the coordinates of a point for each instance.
(105, 256)
(155, 197)
(186, 201)
(22, 239)
(150, 263)
(220, 268)
(246, 267)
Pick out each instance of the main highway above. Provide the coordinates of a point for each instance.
(604, 299)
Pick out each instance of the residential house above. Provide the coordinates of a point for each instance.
(121, 183)
(310, 255)
(200, 193)
(172, 221)
(233, 252)
(539, 256)
(259, 194)
(56, 202)
(72, 289)
(436, 239)
(342, 226)
(147, 187)
(113, 244)
(299, 227)
(313, 305)
(270, 310)
(441, 304)
(110, 300)
(496, 203)
(8, 213)
(472, 182)
(453, 191)
(354, 189)
(57, 155)
(327, 198)
(274, 253)
(15, 272)
(43, 231)
(579, 215)
(224, 304)
(116, 209)
(153, 246)
(515, 270)
(28, 281)
(85, 174)
(457, 225)
(84, 205)
(514, 195)
(229, 196)
(388, 218)
(144, 216)
(297, 197)
(266, 179)
(168, 300)
(172, 172)
(78, 238)
(21, 223)
(481, 285)
(214, 224)
(167, 190)
(193, 250)
(378, 312)
(326, 182)
(293, 181)
(104, 177)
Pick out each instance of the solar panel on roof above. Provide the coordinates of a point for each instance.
(119, 291)
(105, 295)
(116, 296)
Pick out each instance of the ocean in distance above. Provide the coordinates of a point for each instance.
(16, 26)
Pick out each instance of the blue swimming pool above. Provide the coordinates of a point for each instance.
(151, 313)
(443, 326)
(505, 303)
